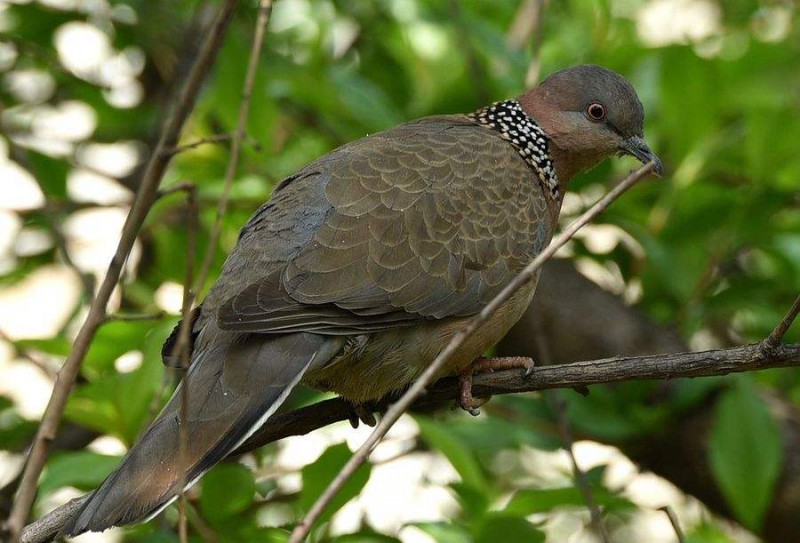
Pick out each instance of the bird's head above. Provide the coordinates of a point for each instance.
(589, 113)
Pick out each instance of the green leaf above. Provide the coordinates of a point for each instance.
(15, 432)
(269, 535)
(59, 345)
(227, 490)
(445, 532)
(617, 414)
(745, 452)
(50, 173)
(365, 101)
(496, 528)
(492, 434)
(159, 537)
(120, 404)
(365, 537)
(82, 469)
(318, 475)
(474, 501)
(112, 340)
(707, 533)
(442, 438)
(530, 501)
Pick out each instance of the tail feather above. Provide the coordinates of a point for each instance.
(234, 387)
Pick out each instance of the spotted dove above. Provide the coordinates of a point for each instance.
(365, 263)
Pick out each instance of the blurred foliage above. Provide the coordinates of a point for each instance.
(713, 251)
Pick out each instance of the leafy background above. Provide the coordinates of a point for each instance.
(712, 253)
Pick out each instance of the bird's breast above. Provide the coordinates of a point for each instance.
(373, 365)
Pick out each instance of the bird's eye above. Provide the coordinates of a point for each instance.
(596, 112)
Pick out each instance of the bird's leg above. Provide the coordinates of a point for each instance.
(482, 365)
(362, 412)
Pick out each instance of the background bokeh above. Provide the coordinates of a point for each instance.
(712, 253)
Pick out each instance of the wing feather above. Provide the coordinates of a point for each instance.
(426, 221)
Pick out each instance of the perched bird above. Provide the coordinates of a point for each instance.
(365, 262)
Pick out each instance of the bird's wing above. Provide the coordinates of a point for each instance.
(425, 221)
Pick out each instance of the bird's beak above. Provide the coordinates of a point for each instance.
(637, 147)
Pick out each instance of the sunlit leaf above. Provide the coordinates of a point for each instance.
(530, 501)
(81, 469)
(227, 490)
(442, 439)
(745, 452)
(445, 532)
(507, 528)
(318, 475)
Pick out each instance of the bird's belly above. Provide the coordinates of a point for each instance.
(376, 364)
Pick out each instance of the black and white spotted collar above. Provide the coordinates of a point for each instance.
(524, 134)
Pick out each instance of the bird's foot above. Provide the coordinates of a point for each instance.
(362, 412)
(483, 365)
(469, 403)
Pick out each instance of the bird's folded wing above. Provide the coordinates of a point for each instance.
(426, 221)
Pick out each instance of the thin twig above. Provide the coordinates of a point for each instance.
(29, 356)
(177, 187)
(526, 28)
(182, 346)
(567, 439)
(264, 10)
(145, 197)
(525, 23)
(128, 317)
(218, 138)
(75, 163)
(775, 337)
(566, 376)
(182, 350)
(206, 532)
(419, 386)
(194, 210)
(676, 524)
(580, 476)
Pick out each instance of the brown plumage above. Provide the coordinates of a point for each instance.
(365, 263)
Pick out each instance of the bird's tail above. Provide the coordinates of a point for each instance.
(234, 387)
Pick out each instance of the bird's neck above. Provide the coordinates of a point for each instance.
(518, 128)
(568, 163)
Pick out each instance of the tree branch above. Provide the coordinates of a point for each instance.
(97, 311)
(264, 11)
(775, 337)
(575, 375)
(676, 523)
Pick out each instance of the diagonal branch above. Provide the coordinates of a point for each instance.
(581, 481)
(182, 352)
(775, 337)
(562, 376)
(264, 11)
(97, 311)
(417, 389)
(676, 523)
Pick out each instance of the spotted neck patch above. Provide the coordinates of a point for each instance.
(530, 141)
